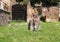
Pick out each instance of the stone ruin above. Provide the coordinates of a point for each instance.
(51, 14)
(5, 16)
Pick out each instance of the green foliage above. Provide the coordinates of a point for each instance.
(54, 1)
(25, 2)
(51, 1)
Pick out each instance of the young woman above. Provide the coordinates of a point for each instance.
(36, 19)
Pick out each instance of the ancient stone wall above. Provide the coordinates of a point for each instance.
(8, 4)
(51, 13)
(4, 17)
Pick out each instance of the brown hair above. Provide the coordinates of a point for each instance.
(36, 10)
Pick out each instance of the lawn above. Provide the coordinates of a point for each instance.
(18, 32)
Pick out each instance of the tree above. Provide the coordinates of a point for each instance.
(25, 2)
(51, 1)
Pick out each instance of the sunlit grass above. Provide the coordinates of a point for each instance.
(50, 32)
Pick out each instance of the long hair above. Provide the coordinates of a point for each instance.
(35, 11)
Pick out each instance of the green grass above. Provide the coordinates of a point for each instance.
(50, 32)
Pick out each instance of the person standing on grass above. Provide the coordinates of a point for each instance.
(34, 23)
(36, 19)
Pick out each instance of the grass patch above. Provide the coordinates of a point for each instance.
(19, 33)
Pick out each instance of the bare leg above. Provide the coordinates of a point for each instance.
(31, 25)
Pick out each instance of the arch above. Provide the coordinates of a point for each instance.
(18, 12)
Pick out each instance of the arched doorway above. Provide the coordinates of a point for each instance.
(18, 12)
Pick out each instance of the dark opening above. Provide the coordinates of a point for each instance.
(19, 12)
